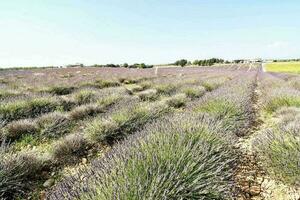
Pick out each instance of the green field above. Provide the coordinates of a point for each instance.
(290, 67)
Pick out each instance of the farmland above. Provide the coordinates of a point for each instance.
(285, 67)
(226, 132)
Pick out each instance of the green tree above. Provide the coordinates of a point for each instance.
(196, 62)
(181, 62)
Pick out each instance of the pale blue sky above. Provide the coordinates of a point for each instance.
(58, 32)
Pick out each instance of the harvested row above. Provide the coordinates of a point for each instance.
(179, 156)
(55, 124)
(277, 144)
(91, 102)
(232, 104)
(33, 105)
(75, 145)
(119, 124)
(170, 161)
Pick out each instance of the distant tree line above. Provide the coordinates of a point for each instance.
(287, 60)
(26, 68)
(206, 62)
(126, 65)
(238, 61)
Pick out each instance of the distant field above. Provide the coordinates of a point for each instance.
(291, 67)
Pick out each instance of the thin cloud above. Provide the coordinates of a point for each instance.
(278, 45)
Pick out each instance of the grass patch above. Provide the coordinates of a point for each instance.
(279, 102)
(227, 113)
(194, 92)
(85, 96)
(219, 108)
(280, 154)
(26, 141)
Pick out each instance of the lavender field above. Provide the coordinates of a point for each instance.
(222, 132)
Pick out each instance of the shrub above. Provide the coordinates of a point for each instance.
(122, 124)
(194, 92)
(128, 80)
(280, 154)
(219, 108)
(109, 100)
(291, 126)
(134, 88)
(66, 104)
(121, 79)
(84, 111)
(102, 84)
(295, 83)
(288, 116)
(17, 129)
(17, 172)
(54, 124)
(176, 101)
(99, 129)
(145, 85)
(171, 159)
(148, 95)
(231, 116)
(8, 93)
(3, 81)
(27, 109)
(70, 148)
(288, 111)
(60, 90)
(85, 96)
(209, 86)
(165, 89)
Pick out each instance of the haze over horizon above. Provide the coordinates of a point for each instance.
(44, 33)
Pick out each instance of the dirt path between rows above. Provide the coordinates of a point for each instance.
(250, 176)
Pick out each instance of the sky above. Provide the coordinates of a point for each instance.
(60, 32)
